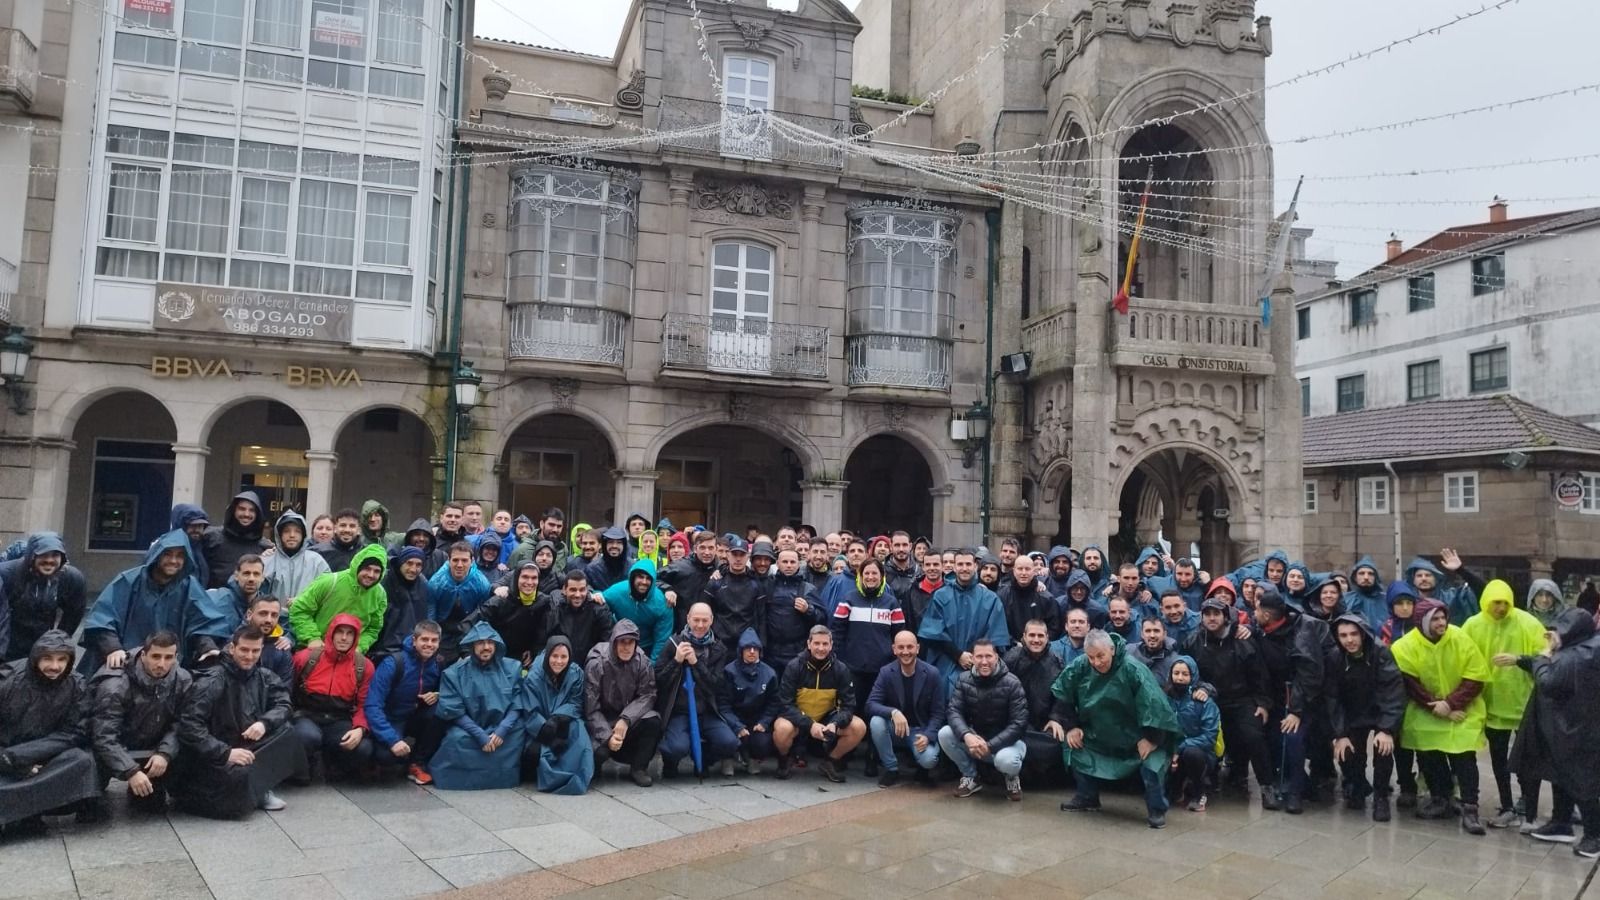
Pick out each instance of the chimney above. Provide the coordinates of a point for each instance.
(1497, 210)
(1394, 246)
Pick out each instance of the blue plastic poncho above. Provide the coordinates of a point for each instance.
(132, 607)
(566, 762)
(480, 699)
(956, 617)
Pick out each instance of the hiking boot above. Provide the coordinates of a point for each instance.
(1406, 800)
(1434, 808)
(785, 767)
(1014, 788)
(727, 768)
(829, 769)
(1469, 819)
(641, 776)
(889, 778)
(1269, 799)
(1157, 820)
(1198, 804)
(968, 786)
(1505, 818)
(1588, 848)
(1080, 803)
(1380, 809)
(418, 774)
(1292, 805)
(272, 802)
(1555, 833)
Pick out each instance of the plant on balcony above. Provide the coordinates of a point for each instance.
(872, 93)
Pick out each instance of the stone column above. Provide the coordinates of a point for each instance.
(680, 186)
(822, 505)
(1007, 517)
(189, 473)
(636, 493)
(812, 204)
(1280, 494)
(319, 482)
(46, 505)
(1094, 398)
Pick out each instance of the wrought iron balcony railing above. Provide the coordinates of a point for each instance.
(567, 333)
(744, 346)
(897, 360)
(749, 134)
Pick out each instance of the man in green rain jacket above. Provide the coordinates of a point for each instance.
(1503, 633)
(356, 591)
(1444, 673)
(1113, 720)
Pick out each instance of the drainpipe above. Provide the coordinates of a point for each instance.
(1394, 510)
(454, 270)
(992, 218)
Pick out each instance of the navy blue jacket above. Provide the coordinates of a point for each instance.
(748, 695)
(392, 692)
(926, 703)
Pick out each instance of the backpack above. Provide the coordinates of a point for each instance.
(316, 654)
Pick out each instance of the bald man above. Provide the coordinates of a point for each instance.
(693, 651)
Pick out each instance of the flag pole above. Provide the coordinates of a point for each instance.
(1120, 301)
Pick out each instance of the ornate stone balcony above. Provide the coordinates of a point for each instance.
(748, 133)
(897, 361)
(747, 347)
(1170, 334)
(1052, 340)
(567, 333)
(19, 71)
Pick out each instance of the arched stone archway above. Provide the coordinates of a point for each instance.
(119, 481)
(727, 477)
(558, 460)
(387, 454)
(260, 445)
(890, 484)
(741, 416)
(1182, 495)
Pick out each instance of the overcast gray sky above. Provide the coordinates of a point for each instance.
(1531, 47)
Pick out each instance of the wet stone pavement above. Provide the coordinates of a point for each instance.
(769, 838)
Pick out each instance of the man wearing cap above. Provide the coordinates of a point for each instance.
(1293, 648)
(739, 597)
(1229, 662)
(611, 566)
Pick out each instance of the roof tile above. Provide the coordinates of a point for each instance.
(1476, 425)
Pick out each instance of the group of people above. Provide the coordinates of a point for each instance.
(480, 652)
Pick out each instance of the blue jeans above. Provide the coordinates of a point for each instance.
(884, 741)
(1007, 760)
(1155, 787)
(717, 740)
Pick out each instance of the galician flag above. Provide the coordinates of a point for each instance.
(1280, 253)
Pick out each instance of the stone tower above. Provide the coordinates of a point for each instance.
(1181, 418)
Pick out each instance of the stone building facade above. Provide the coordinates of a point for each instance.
(1181, 417)
(727, 326)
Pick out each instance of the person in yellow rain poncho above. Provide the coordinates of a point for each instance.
(1503, 633)
(1444, 674)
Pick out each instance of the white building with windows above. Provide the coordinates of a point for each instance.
(244, 279)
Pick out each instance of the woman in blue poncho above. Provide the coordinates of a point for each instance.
(480, 695)
(552, 703)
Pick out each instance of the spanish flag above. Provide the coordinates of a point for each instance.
(1120, 301)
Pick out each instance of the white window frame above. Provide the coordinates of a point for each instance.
(379, 229)
(1309, 497)
(738, 68)
(288, 212)
(1589, 504)
(1375, 495)
(1463, 483)
(742, 271)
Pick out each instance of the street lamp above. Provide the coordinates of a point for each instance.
(15, 353)
(465, 383)
(971, 431)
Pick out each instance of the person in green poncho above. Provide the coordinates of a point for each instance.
(1444, 673)
(1503, 633)
(1113, 720)
(355, 591)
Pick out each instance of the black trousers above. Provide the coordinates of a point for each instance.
(1192, 774)
(1562, 804)
(157, 801)
(223, 791)
(1354, 767)
(1499, 760)
(423, 732)
(322, 738)
(1246, 740)
(1447, 770)
(637, 747)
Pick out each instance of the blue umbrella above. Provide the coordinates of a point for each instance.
(694, 724)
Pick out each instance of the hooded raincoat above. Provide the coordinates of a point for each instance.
(1057, 586)
(1098, 577)
(1370, 603)
(35, 604)
(333, 594)
(453, 600)
(43, 722)
(224, 544)
(291, 571)
(133, 607)
(614, 689)
(1396, 627)
(1200, 720)
(381, 536)
(335, 687)
(956, 617)
(1565, 715)
(1506, 693)
(749, 691)
(135, 713)
(1115, 710)
(1092, 605)
(1546, 611)
(406, 601)
(1459, 600)
(553, 718)
(649, 612)
(1439, 668)
(479, 700)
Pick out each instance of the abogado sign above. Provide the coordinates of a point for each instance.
(191, 307)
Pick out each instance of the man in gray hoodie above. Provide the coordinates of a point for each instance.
(619, 702)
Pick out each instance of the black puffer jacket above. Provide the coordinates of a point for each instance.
(1230, 665)
(902, 581)
(224, 544)
(40, 604)
(788, 629)
(1037, 674)
(1293, 655)
(994, 708)
(1023, 603)
(133, 712)
(738, 601)
(225, 701)
(41, 718)
(1363, 691)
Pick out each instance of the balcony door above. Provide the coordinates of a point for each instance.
(746, 99)
(741, 308)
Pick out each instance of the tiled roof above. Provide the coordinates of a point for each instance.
(1478, 425)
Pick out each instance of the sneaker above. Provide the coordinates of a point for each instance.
(1269, 799)
(785, 767)
(1529, 826)
(641, 776)
(1506, 818)
(1198, 804)
(752, 766)
(1406, 800)
(1555, 833)
(272, 802)
(1588, 848)
(727, 768)
(1014, 788)
(829, 769)
(889, 778)
(418, 775)
(1080, 803)
(968, 787)
(1157, 820)
(1380, 809)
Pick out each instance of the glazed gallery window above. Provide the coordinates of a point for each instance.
(327, 232)
(133, 207)
(572, 237)
(901, 272)
(264, 215)
(276, 23)
(1352, 393)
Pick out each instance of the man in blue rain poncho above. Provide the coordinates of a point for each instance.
(552, 718)
(1365, 597)
(1460, 600)
(162, 593)
(959, 613)
(480, 695)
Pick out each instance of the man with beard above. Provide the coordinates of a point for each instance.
(240, 533)
(291, 565)
(960, 613)
(620, 703)
(683, 582)
(277, 647)
(233, 598)
(134, 728)
(40, 592)
(1070, 645)
(576, 616)
(1095, 568)
(164, 593)
(612, 565)
(922, 593)
(234, 734)
(356, 591)
(819, 566)
(906, 709)
(1293, 649)
(1229, 662)
(1365, 597)
(1120, 620)
(817, 697)
(192, 521)
(520, 615)
(1058, 567)
(44, 709)
(1128, 586)
(900, 569)
(1185, 580)
(1155, 650)
(738, 599)
(1366, 699)
(986, 721)
(792, 611)
(641, 602)
(375, 525)
(1460, 601)
(1025, 599)
(420, 535)
(1032, 661)
(1177, 616)
(346, 541)
(478, 698)
(330, 698)
(1444, 673)
(406, 593)
(1080, 596)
